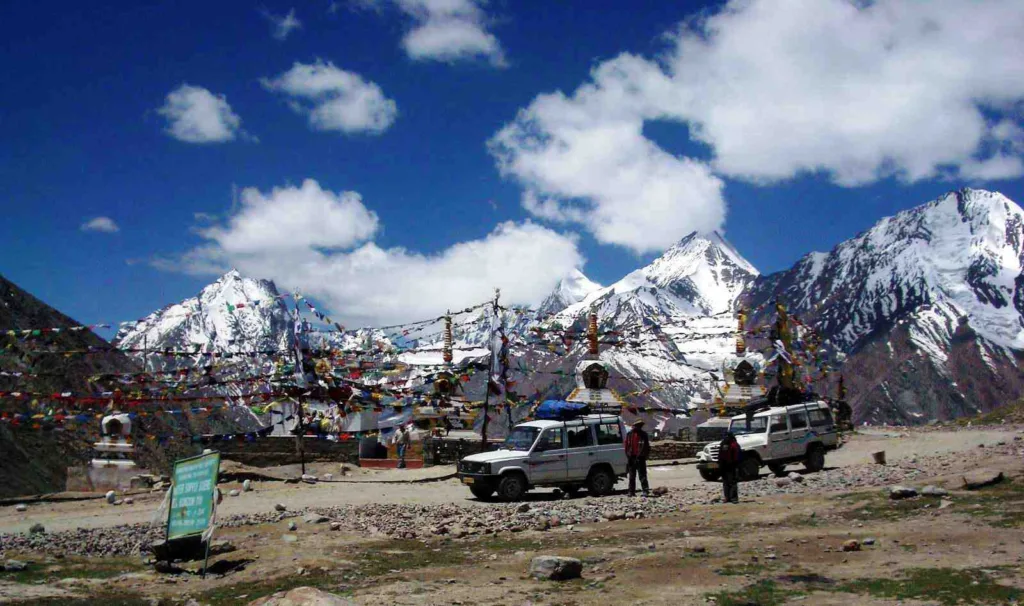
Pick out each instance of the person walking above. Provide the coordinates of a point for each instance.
(638, 448)
(447, 425)
(403, 445)
(729, 455)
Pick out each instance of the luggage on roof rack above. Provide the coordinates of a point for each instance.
(560, 410)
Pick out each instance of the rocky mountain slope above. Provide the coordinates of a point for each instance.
(927, 304)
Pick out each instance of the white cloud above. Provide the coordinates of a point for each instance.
(101, 224)
(335, 99)
(283, 25)
(195, 115)
(857, 90)
(446, 30)
(584, 159)
(316, 241)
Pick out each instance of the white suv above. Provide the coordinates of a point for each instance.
(799, 433)
(584, 452)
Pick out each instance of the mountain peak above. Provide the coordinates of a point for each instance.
(570, 290)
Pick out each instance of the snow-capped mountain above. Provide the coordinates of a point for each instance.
(232, 314)
(928, 303)
(570, 290)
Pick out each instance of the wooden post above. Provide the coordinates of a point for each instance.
(782, 327)
(592, 333)
(447, 352)
(741, 320)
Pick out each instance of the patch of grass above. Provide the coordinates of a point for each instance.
(230, 595)
(762, 593)
(733, 569)
(1001, 506)
(947, 586)
(73, 568)
(407, 555)
(879, 506)
(1010, 413)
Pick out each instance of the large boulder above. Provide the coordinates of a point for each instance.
(555, 568)
(302, 596)
(982, 478)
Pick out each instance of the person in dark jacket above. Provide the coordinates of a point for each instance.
(729, 454)
(638, 448)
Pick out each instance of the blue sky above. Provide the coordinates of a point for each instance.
(753, 117)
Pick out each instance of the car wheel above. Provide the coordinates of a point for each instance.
(512, 487)
(815, 459)
(750, 468)
(778, 469)
(600, 482)
(481, 492)
(710, 475)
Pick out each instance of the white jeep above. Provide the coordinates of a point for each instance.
(584, 452)
(776, 437)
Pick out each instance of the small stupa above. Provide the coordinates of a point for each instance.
(592, 377)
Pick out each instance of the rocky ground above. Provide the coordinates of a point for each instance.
(784, 542)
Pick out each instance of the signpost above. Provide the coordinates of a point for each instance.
(193, 496)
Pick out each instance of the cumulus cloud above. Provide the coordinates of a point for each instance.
(282, 26)
(104, 225)
(858, 91)
(584, 159)
(319, 242)
(335, 99)
(446, 30)
(195, 115)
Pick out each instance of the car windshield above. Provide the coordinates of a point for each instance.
(521, 438)
(740, 427)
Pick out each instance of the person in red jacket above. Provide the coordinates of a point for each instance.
(638, 448)
(729, 454)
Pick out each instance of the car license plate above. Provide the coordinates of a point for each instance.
(711, 465)
(467, 480)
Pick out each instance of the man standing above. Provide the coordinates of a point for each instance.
(638, 447)
(729, 454)
(403, 445)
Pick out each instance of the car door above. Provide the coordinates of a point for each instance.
(778, 436)
(798, 430)
(579, 439)
(547, 460)
(610, 447)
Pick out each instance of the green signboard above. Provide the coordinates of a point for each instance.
(192, 494)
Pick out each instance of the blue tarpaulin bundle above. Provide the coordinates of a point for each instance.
(560, 410)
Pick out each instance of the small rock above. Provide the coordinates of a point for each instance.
(37, 528)
(783, 482)
(21, 507)
(335, 525)
(555, 568)
(901, 492)
(302, 596)
(279, 507)
(658, 491)
(247, 485)
(128, 500)
(328, 477)
(290, 538)
(308, 479)
(851, 545)
(699, 549)
(796, 477)
(293, 526)
(933, 491)
(523, 508)
(944, 503)
(315, 518)
(111, 496)
(234, 493)
(868, 541)
(13, 565)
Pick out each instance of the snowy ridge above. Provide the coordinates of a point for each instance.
(207, 321)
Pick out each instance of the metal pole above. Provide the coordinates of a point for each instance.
(300, 379)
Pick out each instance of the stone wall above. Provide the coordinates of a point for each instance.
(271, 451)
(669, 450)
(448, 451)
